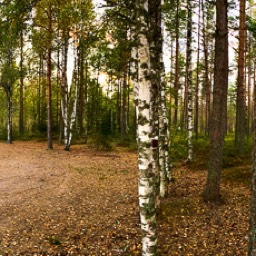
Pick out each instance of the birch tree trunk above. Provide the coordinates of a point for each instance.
(69, 111)
(189, 71)
(147, 174)
(64, 88)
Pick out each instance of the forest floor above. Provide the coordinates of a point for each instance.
(84, 202)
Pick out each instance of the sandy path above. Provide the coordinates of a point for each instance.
(66, 203)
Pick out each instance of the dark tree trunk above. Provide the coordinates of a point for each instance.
(207, 82)
(49, 84)
(9, 113)
(252, 229)
(218, 114)
(176, 80)
(21, 113)
(241, 91)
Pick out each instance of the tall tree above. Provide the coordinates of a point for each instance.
(146, 145)
(177, 68)
(196, 105)
(252, 227)
(189, 83)
(219, 108)
(241, 91)
(9, 72)
(207, 14)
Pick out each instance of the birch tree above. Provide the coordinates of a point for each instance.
(189, 71)
(9, 72)
(69, 94)
(146, 146)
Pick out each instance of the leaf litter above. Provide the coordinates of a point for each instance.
(84, 202)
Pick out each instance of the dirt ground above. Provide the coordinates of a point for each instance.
(84, 202)
(81, 202)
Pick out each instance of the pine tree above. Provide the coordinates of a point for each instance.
(219, 108)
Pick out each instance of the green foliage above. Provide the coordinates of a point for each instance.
(178, 141)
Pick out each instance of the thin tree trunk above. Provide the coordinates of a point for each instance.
(9, 110)
(196, 107)
(189, 73)
(49, 85)
(64, 89)
(252, 228)
(21, 113)
(241, 94)
(177, 51)
(206, 74)
(124, 105)
(249, 73)
(80, 113)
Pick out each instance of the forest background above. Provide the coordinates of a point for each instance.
(67, 73)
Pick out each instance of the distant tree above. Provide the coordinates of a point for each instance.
(189, 84)
(219, 108)
(207, 16)
(9, 72)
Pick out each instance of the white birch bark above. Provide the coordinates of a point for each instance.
(68, 72)
(147, 179)
(189, 81)
(64, 91)
(164, 142)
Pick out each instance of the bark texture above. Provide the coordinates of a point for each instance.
(252, 230)
(218, 114)
(146, 165)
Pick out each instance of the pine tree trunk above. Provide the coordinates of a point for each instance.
(80, 109)
(218, 115)
(249, 74)
(241, 92)
(252, 224)
(196, 106)
(21, 114)
(9, 113)
(206, 74)
(49, 83)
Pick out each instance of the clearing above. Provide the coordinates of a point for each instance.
(84, 202)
